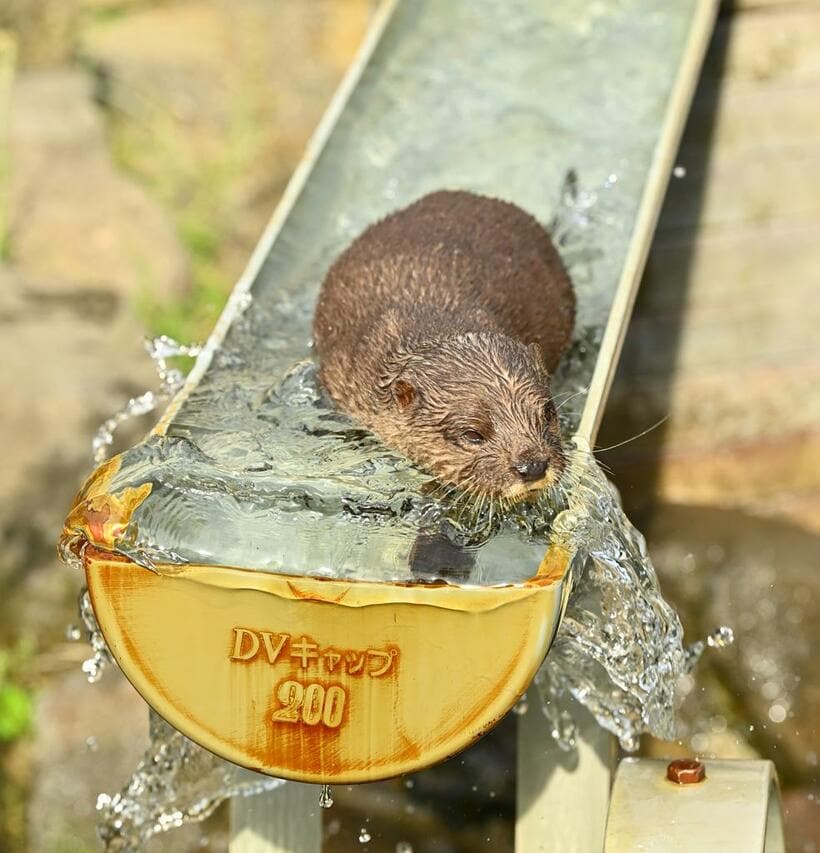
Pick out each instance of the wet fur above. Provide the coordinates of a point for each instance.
(444, 317)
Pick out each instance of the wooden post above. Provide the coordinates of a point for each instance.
(285, 820)
(562, 796)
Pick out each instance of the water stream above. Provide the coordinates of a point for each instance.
(619, 652)
(230, 485)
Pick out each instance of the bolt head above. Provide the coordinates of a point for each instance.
(686, 771)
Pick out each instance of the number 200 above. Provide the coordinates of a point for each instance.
(310, 705)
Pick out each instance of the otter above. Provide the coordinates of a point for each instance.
(438, 328)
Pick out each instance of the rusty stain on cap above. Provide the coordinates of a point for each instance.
(686, 771)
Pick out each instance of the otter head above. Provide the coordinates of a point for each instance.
(475, 410)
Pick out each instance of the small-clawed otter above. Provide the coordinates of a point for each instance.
(436, 329)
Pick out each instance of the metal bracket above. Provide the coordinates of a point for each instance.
(735, 808)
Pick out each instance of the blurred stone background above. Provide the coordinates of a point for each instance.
(143, 146)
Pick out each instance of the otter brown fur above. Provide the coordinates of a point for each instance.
(437, 329)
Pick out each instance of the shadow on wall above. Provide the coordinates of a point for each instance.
(657, 352)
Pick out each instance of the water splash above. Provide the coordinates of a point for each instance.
(720, 638)
(619, 650)
(176, 782)
(521, 707)
(235, 454)
(325, 797)
(101, 657)
(160, 349)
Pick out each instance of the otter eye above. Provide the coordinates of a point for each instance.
(472, 436)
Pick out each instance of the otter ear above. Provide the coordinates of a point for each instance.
(403, 393)
(536, 352)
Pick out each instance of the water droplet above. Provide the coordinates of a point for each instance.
(103, 802)
(721, 637)
(91, 744)
(409, 783)
(404, 847)
(92, 669)
(700, 742)
(718, 724)
(777, 713)
(679, 171)
(770, 690)
(521, 706)
(364, 835)
(73, 633)
(325, 797)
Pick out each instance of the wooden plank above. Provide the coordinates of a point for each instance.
(723, 267)
(743, 474)
(559, 794)
(754, 119)
(711, 408)
(754, 335)
(728, 312)
(740, 6)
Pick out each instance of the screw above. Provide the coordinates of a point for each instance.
(686, 771)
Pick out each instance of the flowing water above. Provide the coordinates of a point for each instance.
(619, 652)
(228, 482)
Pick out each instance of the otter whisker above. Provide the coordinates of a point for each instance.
(634, 437)
(591, 454)
(481, 500)
(570, 397)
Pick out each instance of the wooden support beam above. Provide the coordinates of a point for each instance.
(285, 820)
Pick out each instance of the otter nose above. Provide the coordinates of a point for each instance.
(531, 470)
